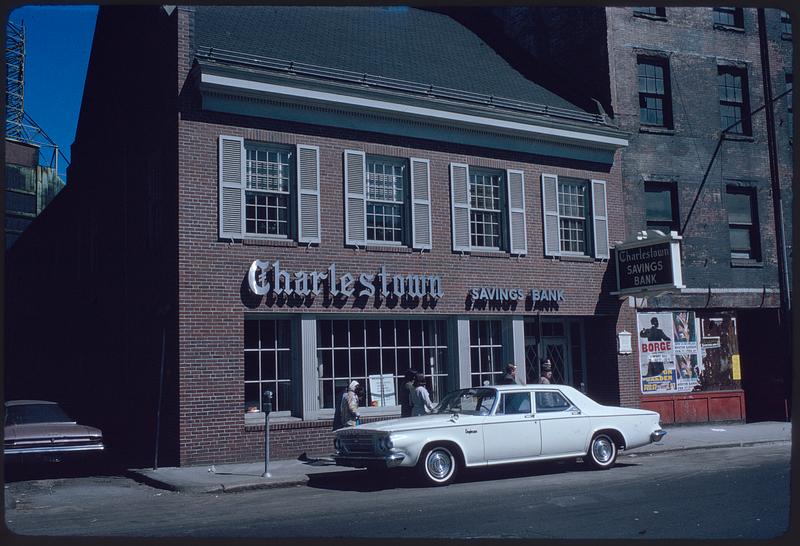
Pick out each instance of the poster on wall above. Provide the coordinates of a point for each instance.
(381, 390)
(669, 351)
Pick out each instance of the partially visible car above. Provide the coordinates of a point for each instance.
(484, 426)
(40, 430)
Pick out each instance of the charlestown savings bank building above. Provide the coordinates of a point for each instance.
(261, 213)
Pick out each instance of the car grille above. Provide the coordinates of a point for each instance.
(357, 444)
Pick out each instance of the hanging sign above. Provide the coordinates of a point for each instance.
(648, 265)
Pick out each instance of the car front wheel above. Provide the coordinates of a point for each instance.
(602, 451)
(438, 465)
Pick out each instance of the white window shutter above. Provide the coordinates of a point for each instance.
(552, 238)
(231, 187)
(308, 214)
(600, 218)
(459, 196)
(421, 203)
(517, 227)
(355, 197)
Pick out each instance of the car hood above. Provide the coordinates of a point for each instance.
(50, 430)
(433, 420)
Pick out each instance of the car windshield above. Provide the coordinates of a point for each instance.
(468, 401)
(36, 413)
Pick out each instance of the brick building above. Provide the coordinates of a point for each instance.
(675, 78)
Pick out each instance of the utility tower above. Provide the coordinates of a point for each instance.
(19, 125)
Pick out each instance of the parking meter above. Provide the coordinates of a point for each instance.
(267, 408)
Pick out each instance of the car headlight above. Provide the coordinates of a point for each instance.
(385, 443)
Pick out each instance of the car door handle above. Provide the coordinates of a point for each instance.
(531, 416)
(471, 430)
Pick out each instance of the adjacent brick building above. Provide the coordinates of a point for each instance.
(675, 78)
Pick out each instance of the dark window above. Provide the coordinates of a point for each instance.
(487, 207)
(551, 401)
(654, 11)
(661, 202)
(486, 351)
(267, 364)
(786, 25)
(269, 179)
(20, 202)
(734, 104)
(513, 403)
(655, 101)
(729, 17)
(743, 223)
(574, 215)
(387, 189)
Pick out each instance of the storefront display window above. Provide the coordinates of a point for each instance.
(267, 363)
(685, 351)
(377, 353)
(486, 350)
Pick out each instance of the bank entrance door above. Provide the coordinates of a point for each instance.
(560, 340)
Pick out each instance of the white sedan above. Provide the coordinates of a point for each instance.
(500, 424)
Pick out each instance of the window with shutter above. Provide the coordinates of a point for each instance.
(421, 204)
(308, 213)
(231, 187)
(460, 205)
(575, 217)
(517, 226)
(355, 197)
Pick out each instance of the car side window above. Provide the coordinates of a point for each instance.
(514, 403)
(551, 401)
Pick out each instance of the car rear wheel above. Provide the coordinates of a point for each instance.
(602, 451)
(438, 465)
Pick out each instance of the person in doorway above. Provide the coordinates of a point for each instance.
(349, 405)
(654, 333)
(406, 393)
(510, 376)
(547, 373)
(421, 401)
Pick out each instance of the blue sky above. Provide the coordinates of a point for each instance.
(58, 40)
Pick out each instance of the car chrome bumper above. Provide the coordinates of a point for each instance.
(657, 435)
(387, 461)
(51, 450)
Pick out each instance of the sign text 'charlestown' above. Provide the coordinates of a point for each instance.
(265, 277)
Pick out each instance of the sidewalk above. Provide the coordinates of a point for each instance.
(291, 472)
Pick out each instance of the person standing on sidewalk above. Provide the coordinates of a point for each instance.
(406, 393)
(421, 401)
(510, 377)
(349, 405)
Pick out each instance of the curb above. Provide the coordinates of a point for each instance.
(222, 488)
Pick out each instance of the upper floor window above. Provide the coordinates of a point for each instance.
(386, 201)
(734, 103)
(575, 216)
(786, 25)
(661, 206)
(268, 181)
(729, 17)
(652, 11)
(743, 223)
(488, 209)
(268, 191)
(655, 101)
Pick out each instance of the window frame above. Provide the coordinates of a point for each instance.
(588, 217)
(654, 12)
(752, 227)
(652, 187)
(405, 216)
(290, 194)
(494, 344)
(262, 383)
(743, 106)
(502, 212)
(736, 14)
(665, 97)
(786, 25)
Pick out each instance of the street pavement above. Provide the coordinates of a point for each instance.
(291, 472)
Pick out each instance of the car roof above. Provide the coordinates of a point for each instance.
(28, 402)
(535, 386)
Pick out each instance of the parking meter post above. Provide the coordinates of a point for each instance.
(267, 409)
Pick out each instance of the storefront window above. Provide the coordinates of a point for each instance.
(267, 363)
(486, 350)
(685, 351)
(377, 353)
